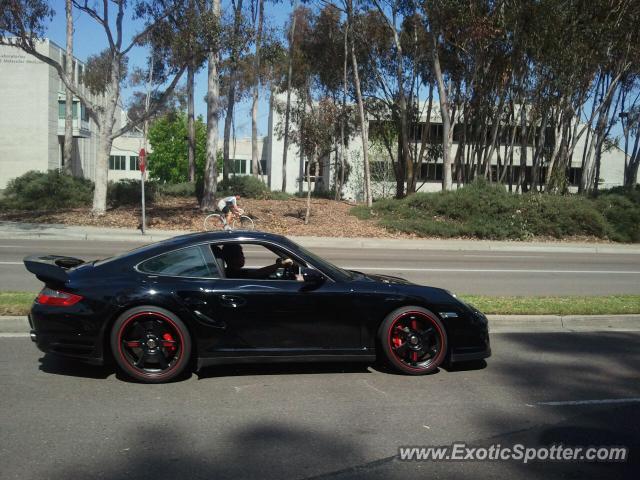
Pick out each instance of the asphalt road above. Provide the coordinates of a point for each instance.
(491, 273)
(61, 420)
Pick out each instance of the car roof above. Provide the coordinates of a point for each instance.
(240, 235)
(173, 243)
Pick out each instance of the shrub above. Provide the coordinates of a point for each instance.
(127, 192)
(47, 191)
(184, 189)
(481, 210)
(279, 195)
(245, 186)
(623, 216)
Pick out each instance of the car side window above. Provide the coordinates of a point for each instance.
(196, 261)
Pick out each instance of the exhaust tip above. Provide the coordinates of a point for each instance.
(33, 336)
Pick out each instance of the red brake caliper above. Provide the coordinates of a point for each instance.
(169, 343)
(414, 327)
(395, 339)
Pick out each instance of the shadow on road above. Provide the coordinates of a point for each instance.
(240, 370)
(58, 365)
(264, 450)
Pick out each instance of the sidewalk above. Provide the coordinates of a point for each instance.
(19, 326)
(17, 230)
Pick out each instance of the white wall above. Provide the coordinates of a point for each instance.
(24, 119)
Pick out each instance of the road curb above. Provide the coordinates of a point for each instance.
(566, 323)
(33, 231)
(497, 323)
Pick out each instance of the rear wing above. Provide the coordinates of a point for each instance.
(51, 268)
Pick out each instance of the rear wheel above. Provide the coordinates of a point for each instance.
(150, 344)
(214, 221)
(413, 340)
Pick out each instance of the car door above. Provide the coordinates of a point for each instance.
(285, 316)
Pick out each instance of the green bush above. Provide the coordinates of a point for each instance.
(184, 189)
(623, 216)
(279, 195)
(480, 210)
(127, 192)
(47, 191)
(245, 186)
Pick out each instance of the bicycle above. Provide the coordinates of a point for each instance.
(215, 221)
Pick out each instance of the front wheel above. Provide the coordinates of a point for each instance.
(150, 344)
(413, 340)
(243, 223)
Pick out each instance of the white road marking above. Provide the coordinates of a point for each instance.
(498, 256)
(592, 402)
(486, 270)
(14, 335)
(10, 263)
(11, 246)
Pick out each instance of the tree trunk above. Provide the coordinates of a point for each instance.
(631, 173)
(191, 123)
(227, 165)
(102, 172)
(287, 113)
(447, 180)
(308, 177)
(522, 180)
(256, 93)
(343, 141)
(213, 116)
(364, 127)
(67, 154)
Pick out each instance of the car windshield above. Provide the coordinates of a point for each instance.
(333, 271)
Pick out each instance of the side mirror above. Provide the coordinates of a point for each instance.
(311, 276)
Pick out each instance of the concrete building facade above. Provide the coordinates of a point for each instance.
(430, 178)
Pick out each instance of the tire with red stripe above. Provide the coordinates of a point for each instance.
(414, 340)
(150, 344)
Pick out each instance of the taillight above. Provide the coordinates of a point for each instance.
(57, 298)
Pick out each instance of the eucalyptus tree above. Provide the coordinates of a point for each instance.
(23, 26)
(67, 153)
(213, 108)
(257, 7)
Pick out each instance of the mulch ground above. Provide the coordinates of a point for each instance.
(286, 217)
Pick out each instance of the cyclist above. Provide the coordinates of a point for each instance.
(229, 206)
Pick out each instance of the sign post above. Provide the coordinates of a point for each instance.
(141, 158)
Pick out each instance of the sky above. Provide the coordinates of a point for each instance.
(89, 39)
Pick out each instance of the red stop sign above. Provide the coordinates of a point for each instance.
(141, 155)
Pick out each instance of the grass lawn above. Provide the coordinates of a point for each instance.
(570, 305)
(18, 303)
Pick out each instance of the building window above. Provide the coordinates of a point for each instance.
(84, 114)
(134, 162)
(431, 172)
(574, 176)
(239, 167)
(262, 168)
(62, 109)
(117, 162)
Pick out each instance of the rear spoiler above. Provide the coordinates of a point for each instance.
(51, 268)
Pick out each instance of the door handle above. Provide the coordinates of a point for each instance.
(232, 301)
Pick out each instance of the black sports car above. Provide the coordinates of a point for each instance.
(213, 298)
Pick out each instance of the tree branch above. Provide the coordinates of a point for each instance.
(152, 108)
